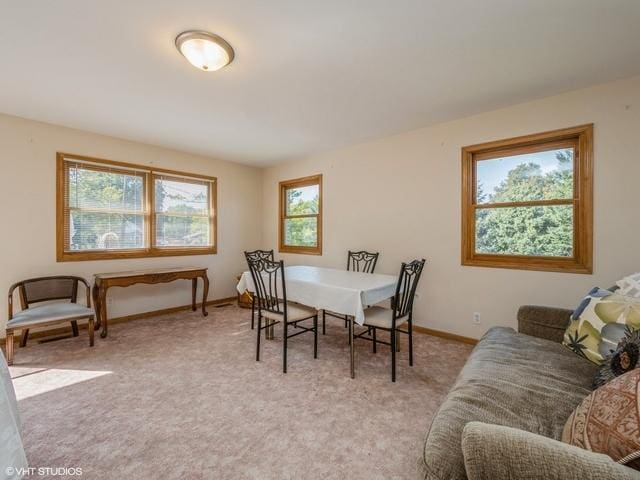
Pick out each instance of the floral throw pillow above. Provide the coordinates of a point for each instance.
(600, 322)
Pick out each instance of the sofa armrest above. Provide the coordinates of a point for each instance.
(12, 455)
(493, 452)
(544, 322)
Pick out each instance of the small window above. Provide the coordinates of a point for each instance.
(527, 202)
(117, 210)
(301, 215)
(182, 212)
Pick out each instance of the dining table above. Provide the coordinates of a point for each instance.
(340, 291)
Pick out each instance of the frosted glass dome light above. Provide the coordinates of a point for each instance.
(204, 50)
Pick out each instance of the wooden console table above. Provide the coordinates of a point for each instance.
(103, 281)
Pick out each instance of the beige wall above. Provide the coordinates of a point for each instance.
(401, 196)
(28, 199)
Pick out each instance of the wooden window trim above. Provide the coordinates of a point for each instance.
(297, 183)
(581, 137)
(149, 173)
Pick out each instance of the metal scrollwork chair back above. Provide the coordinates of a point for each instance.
(256, 255)
(362, 261)
(406, 288)
(268, 278)
(259, 254)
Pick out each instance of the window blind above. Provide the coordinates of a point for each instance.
(182, 211)
(105, 207)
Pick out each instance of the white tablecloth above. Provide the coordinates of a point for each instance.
(329, 289)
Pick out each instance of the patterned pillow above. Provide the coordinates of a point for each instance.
(608, 421)
(600, 322)
(630, 285)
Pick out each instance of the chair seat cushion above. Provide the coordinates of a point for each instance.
(49, 313)
(295, 312)
(381, 317)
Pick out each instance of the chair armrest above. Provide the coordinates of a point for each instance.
(544, 322)
(496, 452)
(87, 290)
(12, 289)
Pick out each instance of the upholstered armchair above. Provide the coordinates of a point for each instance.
(47, 301)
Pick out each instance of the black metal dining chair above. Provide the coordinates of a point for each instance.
(271, 299)
(400, 313)
(256, 255)
(361, 261)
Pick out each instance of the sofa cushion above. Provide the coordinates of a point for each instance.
(503, 453)
(513, 380)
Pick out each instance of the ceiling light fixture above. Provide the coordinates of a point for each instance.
(204, 50)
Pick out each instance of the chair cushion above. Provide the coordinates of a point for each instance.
(49, 313)
(381, 317)
(295, 312)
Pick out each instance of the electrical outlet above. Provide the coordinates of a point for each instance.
(476, 318)
(110, 301)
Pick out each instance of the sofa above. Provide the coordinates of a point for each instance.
(504, 416)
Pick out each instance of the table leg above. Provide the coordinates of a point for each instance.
(194, 289)
(96, 305)
(351, 349)
(205, 293)
(102, 295)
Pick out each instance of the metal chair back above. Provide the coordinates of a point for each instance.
(406, 288)
(259, 255)
(270, 290)
(362, 261)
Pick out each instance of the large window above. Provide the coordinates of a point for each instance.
(301, 215)
(117, 210)
(527, 202)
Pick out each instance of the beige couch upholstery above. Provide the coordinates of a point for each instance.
(494, 452)
(12, 456)
(529, 382)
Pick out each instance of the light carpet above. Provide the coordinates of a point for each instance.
(181, 396)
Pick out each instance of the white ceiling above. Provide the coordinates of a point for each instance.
(309, 75)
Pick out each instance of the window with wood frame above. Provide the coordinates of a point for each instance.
(108, 210)
(527, 202)
(301, 215)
